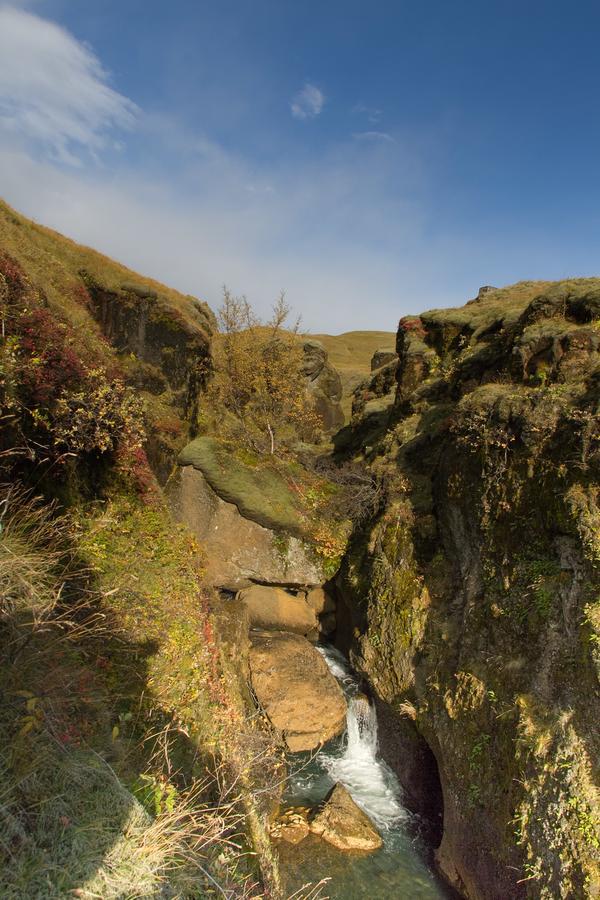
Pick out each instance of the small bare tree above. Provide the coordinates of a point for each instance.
(258, 376)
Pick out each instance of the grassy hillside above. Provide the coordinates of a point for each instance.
(54, 262)
(75, 316)
(126, 753)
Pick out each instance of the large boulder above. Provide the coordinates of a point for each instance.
(320, 601)
(295, 688)
(273, 608)
(324, 607)
(342, 823)
(239, 551)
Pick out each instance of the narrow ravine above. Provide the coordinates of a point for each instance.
(399, 871)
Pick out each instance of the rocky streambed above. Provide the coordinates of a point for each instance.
(341, 816)
(358, 834)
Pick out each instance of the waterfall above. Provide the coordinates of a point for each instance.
(371, 783)
(361, 726)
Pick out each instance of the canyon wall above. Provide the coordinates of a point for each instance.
(471, 600)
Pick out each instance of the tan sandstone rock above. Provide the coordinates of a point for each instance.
(292, 826)
(272, 608)
(296, 689)
(342, 823)
(238, 550)
(319, 600)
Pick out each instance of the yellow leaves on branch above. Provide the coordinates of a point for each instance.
(258, 377)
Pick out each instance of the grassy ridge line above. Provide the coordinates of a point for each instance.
(351, 351)
(53, 262)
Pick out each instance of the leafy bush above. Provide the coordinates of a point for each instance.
(56, 396)
(258, 378)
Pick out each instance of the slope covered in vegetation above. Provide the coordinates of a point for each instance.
(129, 761)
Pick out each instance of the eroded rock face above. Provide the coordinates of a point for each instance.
(239, 552)
(383, 357)
(295, 688)
(324, 384)
(176, 349)
(344, 825)
(466, 600)
(273, 608)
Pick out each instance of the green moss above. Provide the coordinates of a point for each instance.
(261, 495)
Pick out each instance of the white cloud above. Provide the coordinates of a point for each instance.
(325, 232)
(53, 89)
(373, 136)
(308, 102)
(345, 232)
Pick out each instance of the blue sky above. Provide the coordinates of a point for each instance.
(372, 159)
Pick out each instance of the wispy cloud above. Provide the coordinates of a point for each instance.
(334, 229)
(308, 102)
(371, 112)
(53, 89)
(373, 136)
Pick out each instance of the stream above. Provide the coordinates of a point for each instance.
(399, 871)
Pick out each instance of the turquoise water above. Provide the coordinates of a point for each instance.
(399, 871)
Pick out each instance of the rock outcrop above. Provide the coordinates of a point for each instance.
(173, 345)
(383, 357)
(344, 825)
(296, 690)
(471, 599)
(249, 516)
(291, 826)
(274, 609)
(324, 384)
(239, 552)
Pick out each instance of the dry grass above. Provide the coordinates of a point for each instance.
(69, 824)
(351, 352)
(53, 262)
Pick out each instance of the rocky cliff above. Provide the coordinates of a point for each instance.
(471, 600)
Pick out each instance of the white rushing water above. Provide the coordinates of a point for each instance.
(369, 780)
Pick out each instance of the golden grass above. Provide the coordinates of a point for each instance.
(53, 261)
(351, 352)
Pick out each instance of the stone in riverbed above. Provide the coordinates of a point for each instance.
(342, 823)
(292, 826)
(273, 608)
(295, 688)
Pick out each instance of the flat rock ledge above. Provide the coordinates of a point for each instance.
(296, 690)
(344, 825)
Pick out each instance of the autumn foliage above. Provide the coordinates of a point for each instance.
(58, 399)
(258, 385)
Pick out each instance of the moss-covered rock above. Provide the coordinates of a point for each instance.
(260, 493)
(324, 385)
(470, 600)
